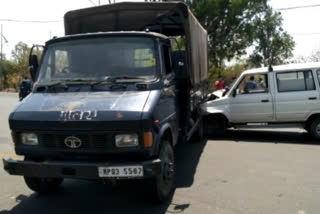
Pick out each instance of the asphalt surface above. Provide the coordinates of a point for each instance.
(247, 171)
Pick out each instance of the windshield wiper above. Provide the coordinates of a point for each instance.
(63, 84)
(56, 84)
(101, 82)
(126, 78)
(79, 80)
(113, 80)
(67, 82)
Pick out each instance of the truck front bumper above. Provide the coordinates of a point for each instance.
(71, 169)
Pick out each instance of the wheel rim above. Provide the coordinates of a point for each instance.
(167, 175)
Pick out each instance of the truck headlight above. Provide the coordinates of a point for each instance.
(127, 140)
(29, 139)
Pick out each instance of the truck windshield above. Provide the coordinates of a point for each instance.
(100, 59)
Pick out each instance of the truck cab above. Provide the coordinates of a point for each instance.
(110, 102)
(286, 95)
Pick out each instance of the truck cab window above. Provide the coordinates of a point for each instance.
(167, 59)
(99, 59)
(61, 64)
(255, 83)
(144, 58)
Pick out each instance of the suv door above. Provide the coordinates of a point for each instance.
(252, 100)
(296, 95)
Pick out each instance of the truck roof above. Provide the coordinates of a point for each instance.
(105, 34)
(282, 68)
(161, 17)
(167, 18)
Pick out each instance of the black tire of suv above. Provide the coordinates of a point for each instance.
(215, 127)
(43, 185)
(313, 129)
(163, 184)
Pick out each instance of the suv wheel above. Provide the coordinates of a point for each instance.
(315, 128)
(215, 126)
(163, 183)
(43, 185)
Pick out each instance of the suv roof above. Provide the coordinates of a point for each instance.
(280, 68)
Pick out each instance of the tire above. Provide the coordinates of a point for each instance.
(215, 126)
(163, 183)
(315, 128)
(43, 185)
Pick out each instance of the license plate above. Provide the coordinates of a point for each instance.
(121, 171)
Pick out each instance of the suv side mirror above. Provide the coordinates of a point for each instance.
(234, 93)
(33, 66)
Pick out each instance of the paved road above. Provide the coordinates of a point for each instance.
(7, 103)
(246, 172)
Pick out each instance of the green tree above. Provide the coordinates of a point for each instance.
(273, 45)
(229, 24)
(20, 56)
(15, 69)
(7, 74)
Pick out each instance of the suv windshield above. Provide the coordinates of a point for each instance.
(100, 59)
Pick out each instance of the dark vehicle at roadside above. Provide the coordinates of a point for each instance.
(112, 98)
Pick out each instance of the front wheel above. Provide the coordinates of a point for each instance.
(163, 183)
(315, 128)
(43, 185)
(215, 126)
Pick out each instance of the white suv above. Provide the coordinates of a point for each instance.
(286, 95)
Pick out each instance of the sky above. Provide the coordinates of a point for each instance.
(300, 23)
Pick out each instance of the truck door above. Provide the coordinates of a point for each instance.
(252, 100)
(166, 110)
(296, 95)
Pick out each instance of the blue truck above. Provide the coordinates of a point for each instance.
(113, 97)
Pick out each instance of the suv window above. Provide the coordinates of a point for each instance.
(318, 74)
(295, 81)
(256, 83)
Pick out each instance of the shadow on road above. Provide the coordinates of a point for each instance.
(127, 197)
(263, 136)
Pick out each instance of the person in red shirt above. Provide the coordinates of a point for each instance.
(219, 84)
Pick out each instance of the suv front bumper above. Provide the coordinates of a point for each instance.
(72, 169)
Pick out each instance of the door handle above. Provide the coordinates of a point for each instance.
(264, 101)
(312, 98)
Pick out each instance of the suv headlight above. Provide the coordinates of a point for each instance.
(127, 140)
(29, 139)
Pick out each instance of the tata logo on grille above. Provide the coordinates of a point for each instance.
(72, 142)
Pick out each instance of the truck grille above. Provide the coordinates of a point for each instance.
(88, 142)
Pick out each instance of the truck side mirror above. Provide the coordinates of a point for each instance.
(33, 66)
(180, 64)
(170, 80)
